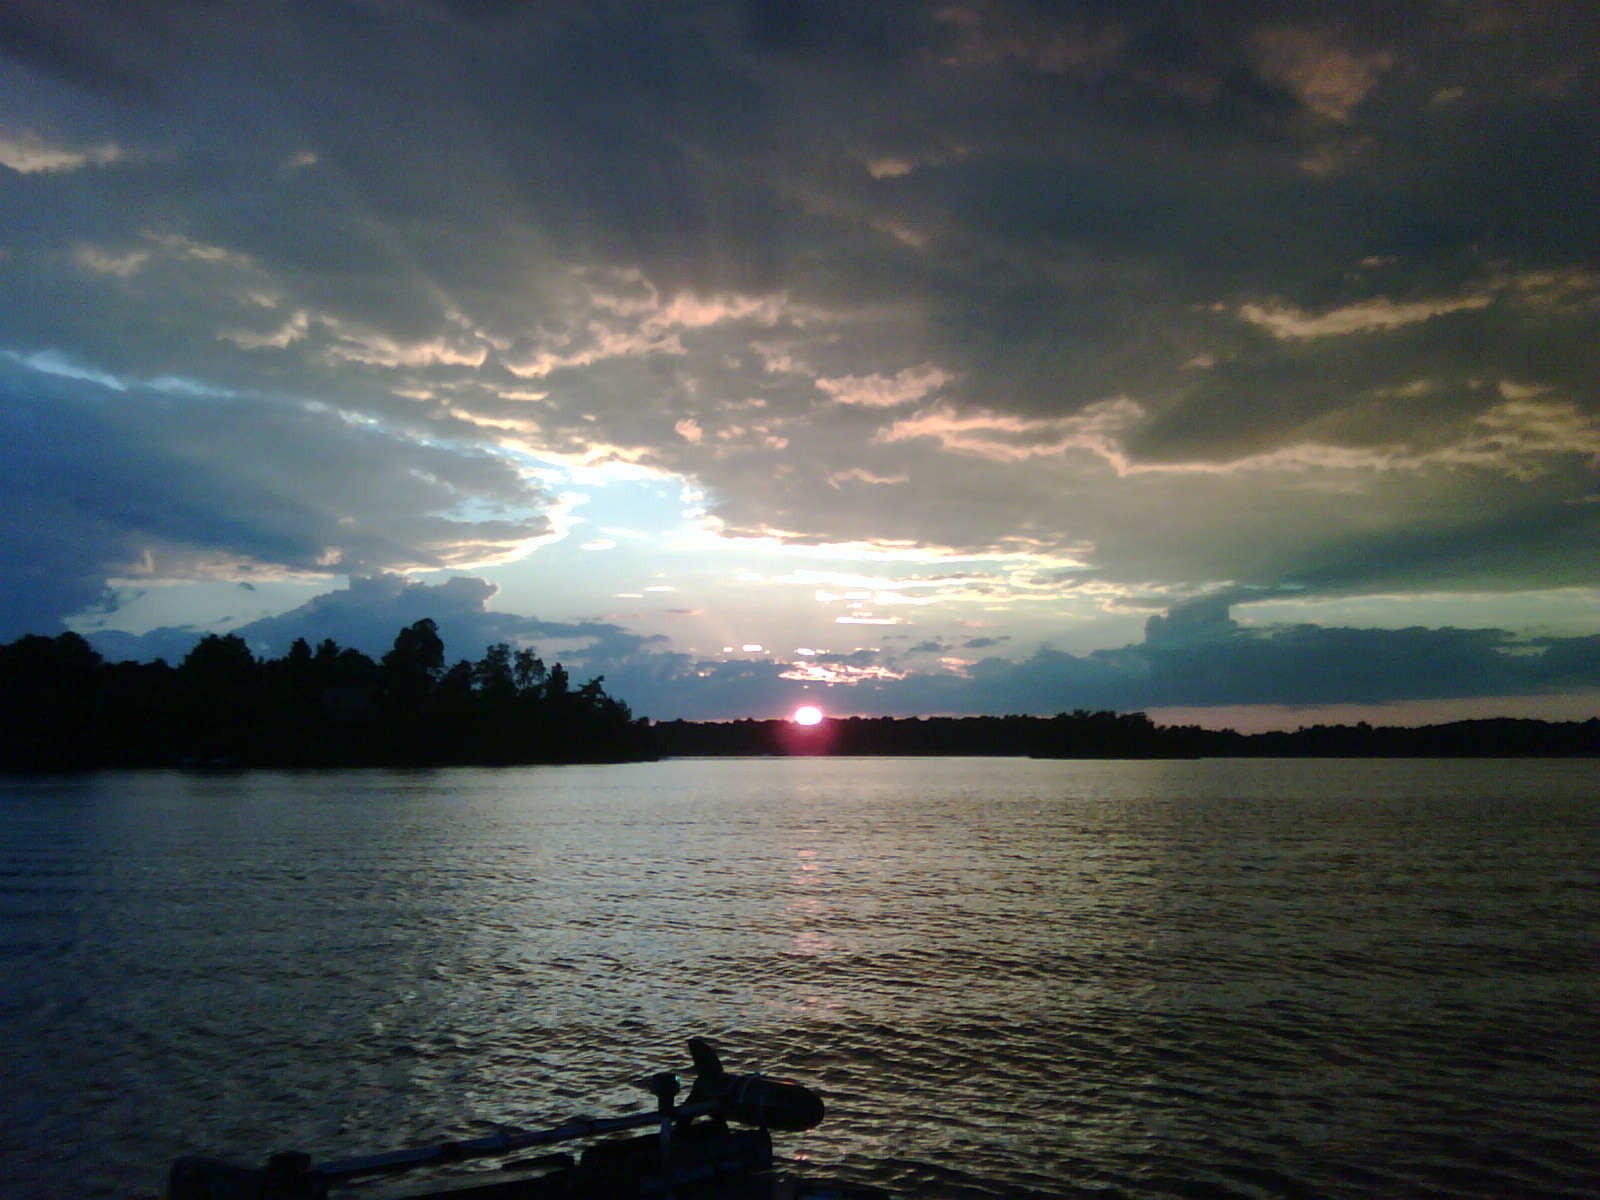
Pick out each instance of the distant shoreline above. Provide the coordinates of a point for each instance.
(1111, 735)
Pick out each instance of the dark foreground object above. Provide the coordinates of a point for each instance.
(692, 1153)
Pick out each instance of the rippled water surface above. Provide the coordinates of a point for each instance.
(1008, 978)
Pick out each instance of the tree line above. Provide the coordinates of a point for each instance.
(62, 706)
(1086, 734)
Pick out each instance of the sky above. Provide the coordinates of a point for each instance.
(1234, 362)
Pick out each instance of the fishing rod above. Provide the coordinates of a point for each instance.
(505, 1141)
(751, 1099)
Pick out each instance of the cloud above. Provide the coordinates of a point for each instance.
(1378, 313)
(27, 152)
(144, 483)
(1199, 653)
(1193, 655)
(877, 391)
(1327, 78)
(1182, 297)
(1196, 655)
(368, 612)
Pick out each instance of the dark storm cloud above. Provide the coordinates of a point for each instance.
(1196, 655)
(1176, 296)
(1273, 234)
(103, 47)
(368, 613)
(1311, 664)
(158, 482)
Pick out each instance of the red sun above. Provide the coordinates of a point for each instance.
(807, 714)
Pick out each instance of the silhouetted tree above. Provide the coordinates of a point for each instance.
(220, 696)
(61, 707)
(416, 660)
(406, 677)
(528, 670)
(47, 708)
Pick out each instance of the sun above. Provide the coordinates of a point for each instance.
(807, 714)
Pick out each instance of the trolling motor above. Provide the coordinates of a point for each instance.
(680, 1155)
(752, 1099)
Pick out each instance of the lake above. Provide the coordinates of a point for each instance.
(1007, 977)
